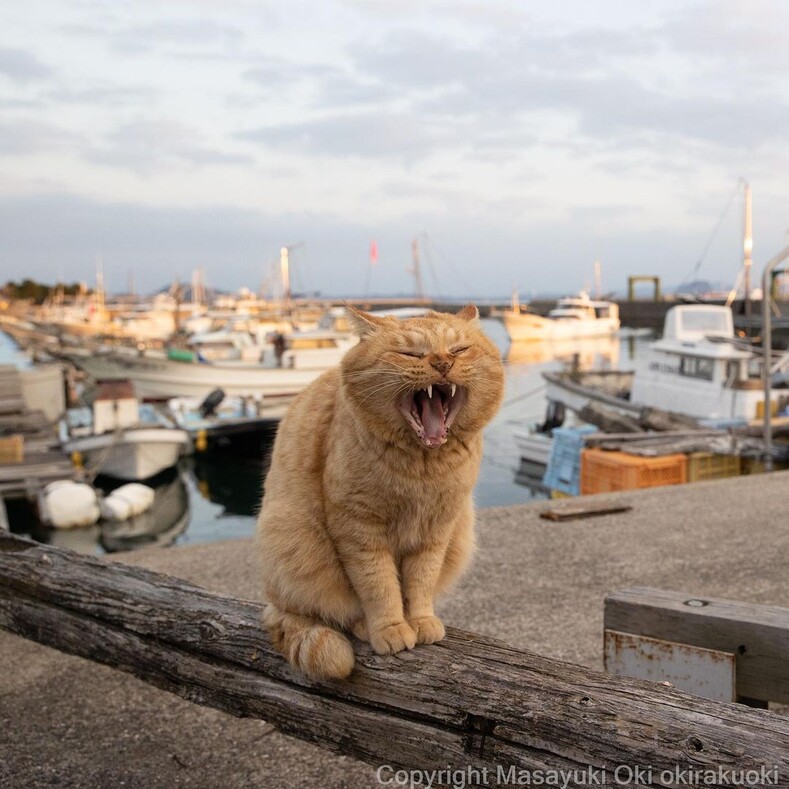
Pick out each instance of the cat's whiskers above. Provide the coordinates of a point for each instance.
(398, 389)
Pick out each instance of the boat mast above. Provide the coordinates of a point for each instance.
(747, 248)
(417, 271)
(284, 272)
(99, 300)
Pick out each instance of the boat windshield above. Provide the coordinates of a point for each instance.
(705, 321)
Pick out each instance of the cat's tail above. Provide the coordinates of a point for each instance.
(309, 644)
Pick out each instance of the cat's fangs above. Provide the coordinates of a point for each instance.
(431, 416)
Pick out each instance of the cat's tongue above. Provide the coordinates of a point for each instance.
(433, 420)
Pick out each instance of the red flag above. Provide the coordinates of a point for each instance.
(373, 253)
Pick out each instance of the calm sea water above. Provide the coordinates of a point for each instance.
(212, 499)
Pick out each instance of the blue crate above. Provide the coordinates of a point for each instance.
(563, 472)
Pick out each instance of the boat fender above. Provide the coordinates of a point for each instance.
(67, 505)
(211, 402)
(127, 501)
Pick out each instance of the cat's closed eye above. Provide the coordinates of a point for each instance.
(413, 354)
(458, 349)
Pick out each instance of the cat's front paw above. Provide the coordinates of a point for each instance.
(428, 629)
(394, 638)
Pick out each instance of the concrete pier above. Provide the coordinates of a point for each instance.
(535, 583)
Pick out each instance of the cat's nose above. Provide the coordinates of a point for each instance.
(442, 363)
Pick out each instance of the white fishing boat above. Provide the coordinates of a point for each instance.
(280, 369)
(697, 369)
(118, 437)
(571, 318)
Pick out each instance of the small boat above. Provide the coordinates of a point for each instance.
(571, 318)
(239, 426)
(280, 370)
(121, 438)
(699, 369)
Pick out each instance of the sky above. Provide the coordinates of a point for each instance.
(517, 142)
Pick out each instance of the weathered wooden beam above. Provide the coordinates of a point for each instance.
(576, 511)
(469, 702)
(757, 634)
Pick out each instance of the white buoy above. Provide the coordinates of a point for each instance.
(126, 502)
(68, 505)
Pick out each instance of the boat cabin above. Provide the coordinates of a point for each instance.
(583, 308)
(700, 368)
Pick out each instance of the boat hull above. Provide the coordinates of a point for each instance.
(157, 378)
(133, 454)
(526, 327)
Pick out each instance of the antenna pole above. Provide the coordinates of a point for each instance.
(747, 248)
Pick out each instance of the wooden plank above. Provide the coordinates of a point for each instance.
(467, 701)
(576, 511)
(593, 439)
(757, 634)
(29, 421)
(11, 405)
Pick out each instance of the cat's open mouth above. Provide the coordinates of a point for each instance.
(431, 410)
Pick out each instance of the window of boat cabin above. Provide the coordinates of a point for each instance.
(754, 368)
(696, 367)
(706, 321)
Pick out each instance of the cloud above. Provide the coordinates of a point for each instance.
(145, 145)
(325, 86)
(22, 67)
(597, 79)
(25, 136)
(175, 36)
(384, 135)
(179, 37)
(104, 95)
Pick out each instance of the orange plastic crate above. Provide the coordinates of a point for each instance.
(12, 449)
(603, 471)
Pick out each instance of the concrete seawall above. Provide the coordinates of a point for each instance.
(537, 584)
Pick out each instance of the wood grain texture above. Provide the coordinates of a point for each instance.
(467, 701)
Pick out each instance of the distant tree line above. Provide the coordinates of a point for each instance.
(38, 292)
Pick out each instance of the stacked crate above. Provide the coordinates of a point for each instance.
(563, 472)
(706, 465)
(12, 449)
(603, 471)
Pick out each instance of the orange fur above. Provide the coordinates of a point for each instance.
(367, 513)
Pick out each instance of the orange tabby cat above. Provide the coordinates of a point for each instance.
(367, 513)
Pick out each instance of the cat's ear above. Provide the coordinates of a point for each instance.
(469, 313)
(363, 323)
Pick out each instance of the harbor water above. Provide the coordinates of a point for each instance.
(210, 498)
